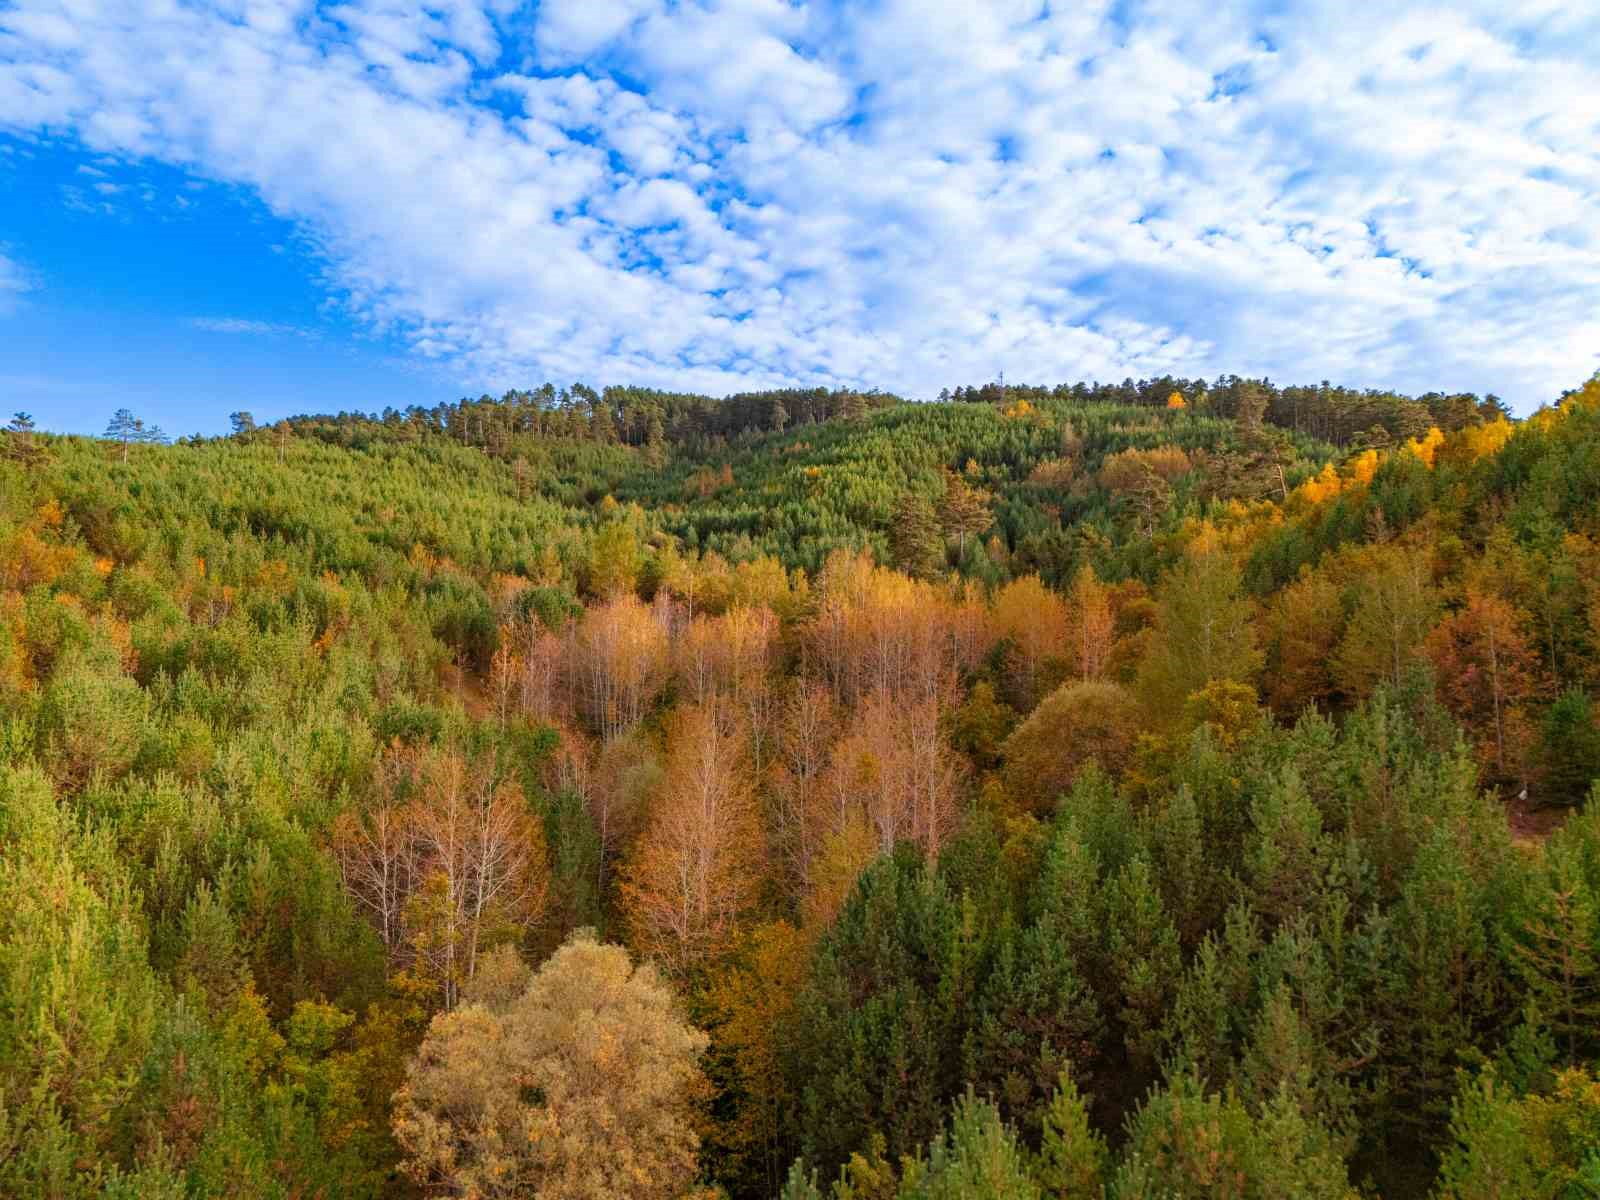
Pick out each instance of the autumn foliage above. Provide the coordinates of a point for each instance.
(1045, 791)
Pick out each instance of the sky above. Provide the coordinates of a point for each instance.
(284, 206)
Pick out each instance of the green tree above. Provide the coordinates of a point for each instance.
(1569, 746)
(20, 443)
(78, 1000)
(914, 537)
(976, 1158)
(1389, 627)
(124, 428)
(1036, 1019)
(1073, 1158)
(1554, 944)
(1491, 1155)
(614, 560)
(1186, 1143)
(1144, 960)
(876, 1044)
(1203, 633)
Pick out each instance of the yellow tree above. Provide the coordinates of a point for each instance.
(726, 658)
(1078, 723)
(448, 862)
(627, 774)
(963, 510)
(878, 630)
(1092, 624)
(807, 726)
(894, 769)
(750, 999)
(529, 659)
(617, 660)
(696, 869)
(1036, 624)
(584, 1086)
(1304, 625)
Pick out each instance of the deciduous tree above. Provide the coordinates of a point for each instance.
(1387, 631)
(1203, 632)
(583, 1087)
(1092, 624)
(617, 655)
(1075, 725)
(696, 870)
(1037, 626)
(1486, 672)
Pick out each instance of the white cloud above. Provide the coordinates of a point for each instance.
(569, 30)
(13, 282)
(246, 326)
(719, 193)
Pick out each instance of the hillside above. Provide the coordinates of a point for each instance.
(1170, 788)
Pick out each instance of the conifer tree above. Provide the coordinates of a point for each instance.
(963, 511)
(976, 1158)
(1555, 947)
(124, 428)
(914, 536)
(1072, 1157)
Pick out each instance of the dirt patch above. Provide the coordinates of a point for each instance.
(469, 689)
(1530, 826)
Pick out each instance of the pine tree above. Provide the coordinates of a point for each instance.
(1490, 1157)
(876, 1045)
(1569, 750)
(914, 537)
(124, 428)
(1555, 947)
(964, 510)
(1072, 1159)
(976, 1158)
(1144, 960)
(20, 443)
(1036, 1020)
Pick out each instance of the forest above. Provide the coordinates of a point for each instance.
(1178, 788)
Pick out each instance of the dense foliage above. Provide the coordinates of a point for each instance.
(1164, 789)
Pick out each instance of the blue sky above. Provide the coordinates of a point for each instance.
(288, 207)
(147, 269)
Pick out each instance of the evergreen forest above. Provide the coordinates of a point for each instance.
(1179, 788)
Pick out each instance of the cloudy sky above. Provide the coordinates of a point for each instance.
(289, 206)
